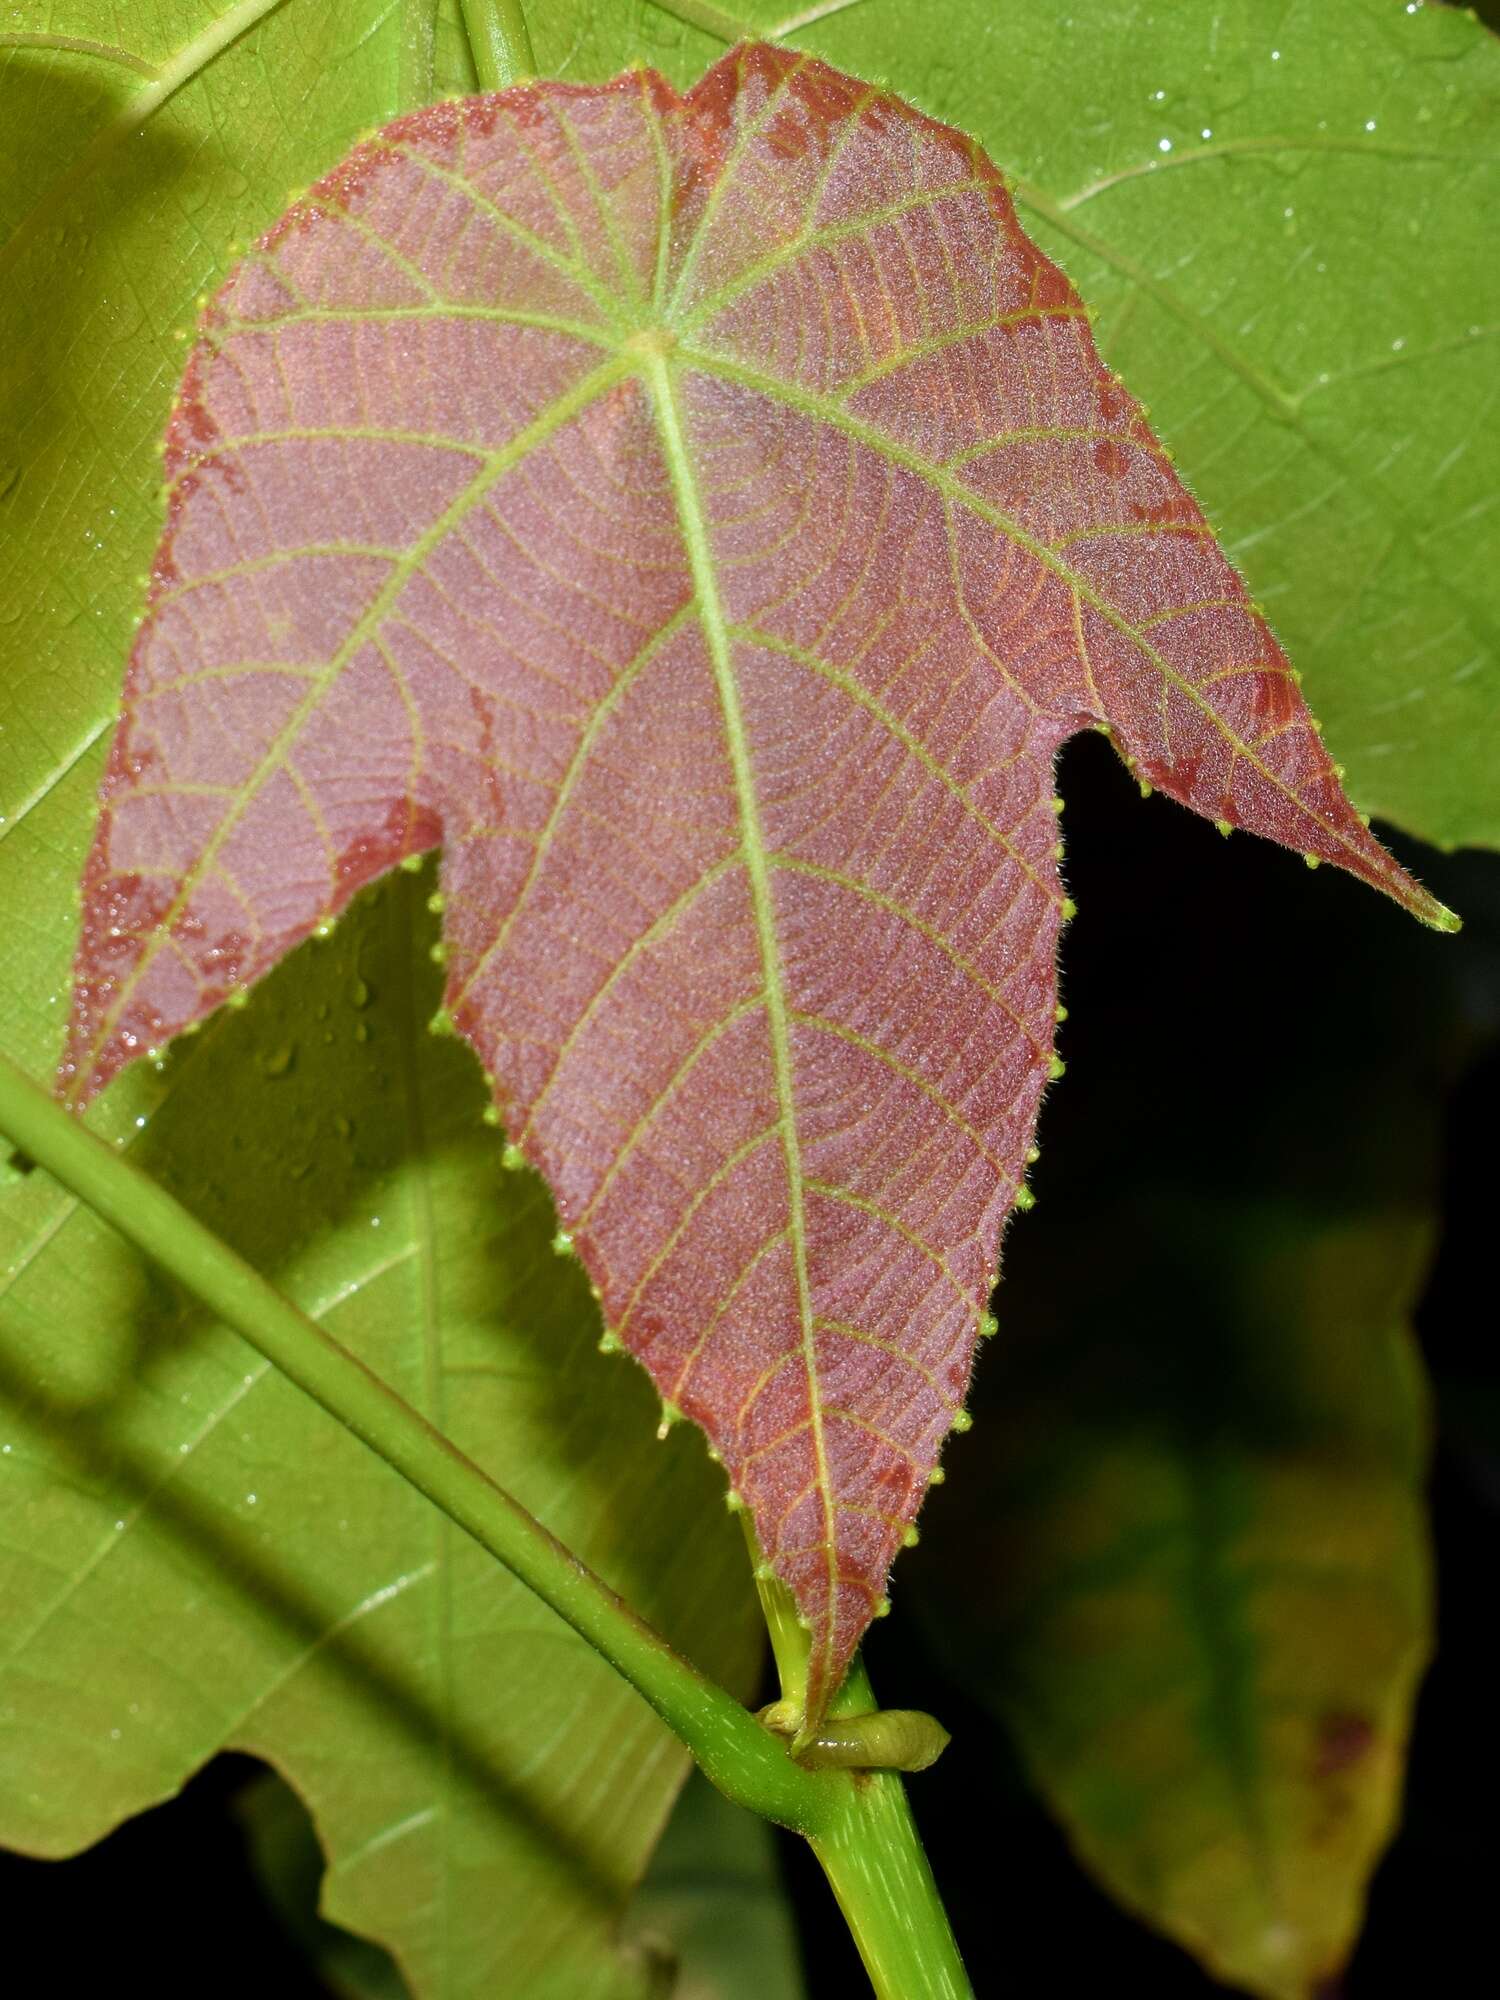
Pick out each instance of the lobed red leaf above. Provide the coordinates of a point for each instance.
(705, 517)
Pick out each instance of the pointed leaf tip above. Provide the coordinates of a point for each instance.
(705, 517)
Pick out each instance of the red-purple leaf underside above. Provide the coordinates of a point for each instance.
(704, 517)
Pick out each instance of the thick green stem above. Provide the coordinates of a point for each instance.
(500, 42)
(744, 1760)
(416, 69)
(877, 1868)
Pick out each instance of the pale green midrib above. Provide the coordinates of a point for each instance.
(189, 61)
(1307, 142)
(79, 45)
(509, 455)
(46, 786)
(937, 476)
(659, 374)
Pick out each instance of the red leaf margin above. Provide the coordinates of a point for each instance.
(820, 519)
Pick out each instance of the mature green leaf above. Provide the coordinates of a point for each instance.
(711, 1914)
(1205, 1604)
(486, 1790)
(195, 1558)
(287, 1862)
(714, 1898)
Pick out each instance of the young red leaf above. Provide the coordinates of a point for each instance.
(704, 517)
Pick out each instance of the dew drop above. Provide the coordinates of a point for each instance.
(277, 1062)
(1164, 145)
(360, 993)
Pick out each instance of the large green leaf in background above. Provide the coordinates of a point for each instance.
(710, 1909)
(1306, 297)
(1194, 1573)
(193, 1557)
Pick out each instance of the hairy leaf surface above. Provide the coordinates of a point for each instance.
(705, 517)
